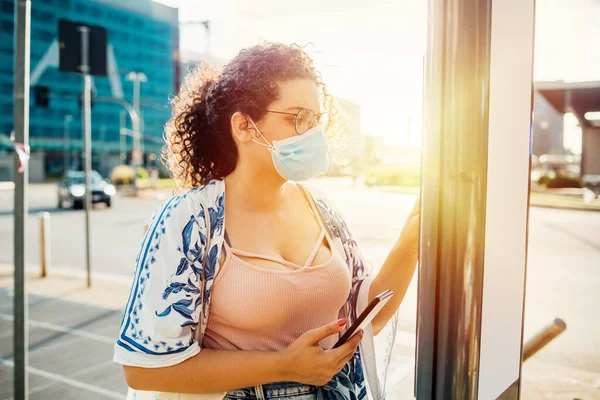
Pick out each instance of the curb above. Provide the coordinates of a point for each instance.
(70, 273)
(108, 292)
(554, 207)
(7, 186)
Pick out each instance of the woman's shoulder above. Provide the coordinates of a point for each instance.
(208, 195)
(322, 200)
(316, 193)
(195, 202)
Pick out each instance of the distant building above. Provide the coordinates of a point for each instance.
(547, 128)
(582, 99)
(143, 37)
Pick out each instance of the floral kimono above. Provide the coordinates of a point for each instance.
(167, 311)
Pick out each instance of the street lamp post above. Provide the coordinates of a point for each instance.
(137, 78)
(67, 144)
(103, 150)
(122, 138)
(133, 114)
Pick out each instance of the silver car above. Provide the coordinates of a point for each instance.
(72, 189)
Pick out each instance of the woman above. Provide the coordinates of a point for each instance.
(272, 260)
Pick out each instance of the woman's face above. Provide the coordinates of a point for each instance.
(294, 95)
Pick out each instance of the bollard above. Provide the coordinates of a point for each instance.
(543, 337)
(44, 242)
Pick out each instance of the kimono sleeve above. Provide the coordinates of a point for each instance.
(165, 301)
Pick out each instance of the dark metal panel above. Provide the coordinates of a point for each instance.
(512, 392)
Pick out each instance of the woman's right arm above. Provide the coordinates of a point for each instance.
(214, 371)
(210, 371)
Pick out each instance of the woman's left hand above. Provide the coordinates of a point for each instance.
(409, 237)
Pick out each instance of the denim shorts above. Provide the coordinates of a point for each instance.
(339, 387)
(275, 391)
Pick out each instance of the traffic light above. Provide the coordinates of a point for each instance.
(42, 96)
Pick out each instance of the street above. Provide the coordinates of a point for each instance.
(563, 273)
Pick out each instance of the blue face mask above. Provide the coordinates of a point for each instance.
(300, 157)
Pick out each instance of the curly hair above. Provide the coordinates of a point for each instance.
(199, 144)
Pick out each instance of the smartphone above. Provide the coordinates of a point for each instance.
(366, 316)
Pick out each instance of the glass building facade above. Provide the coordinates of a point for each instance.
(142, 37)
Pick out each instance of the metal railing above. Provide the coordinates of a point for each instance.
(543, 337)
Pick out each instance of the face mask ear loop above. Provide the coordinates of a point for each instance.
(268, 145)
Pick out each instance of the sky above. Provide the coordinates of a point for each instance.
(371, 52)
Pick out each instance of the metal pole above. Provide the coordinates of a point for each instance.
(543, 337)
(44, 243)
(142, 140)
(137, 126)
(87, 142)
(136, 105)
(21, 122)
(67, 147)
(103, 151)
(136, 93)
(121, 137)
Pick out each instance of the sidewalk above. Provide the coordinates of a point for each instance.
(72, 330)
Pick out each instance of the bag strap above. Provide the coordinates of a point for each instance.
(308, 196)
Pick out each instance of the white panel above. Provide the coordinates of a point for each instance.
(507, 197)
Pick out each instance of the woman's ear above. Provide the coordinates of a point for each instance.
(241, 128)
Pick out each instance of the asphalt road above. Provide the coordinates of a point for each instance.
(563, 276)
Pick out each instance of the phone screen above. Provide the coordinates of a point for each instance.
(366, 316)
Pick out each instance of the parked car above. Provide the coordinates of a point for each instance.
(72, 189)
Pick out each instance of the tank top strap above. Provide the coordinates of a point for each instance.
(241, 253)
(315, 250)
(321, 221)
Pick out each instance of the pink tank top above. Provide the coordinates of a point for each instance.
(262, 309)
